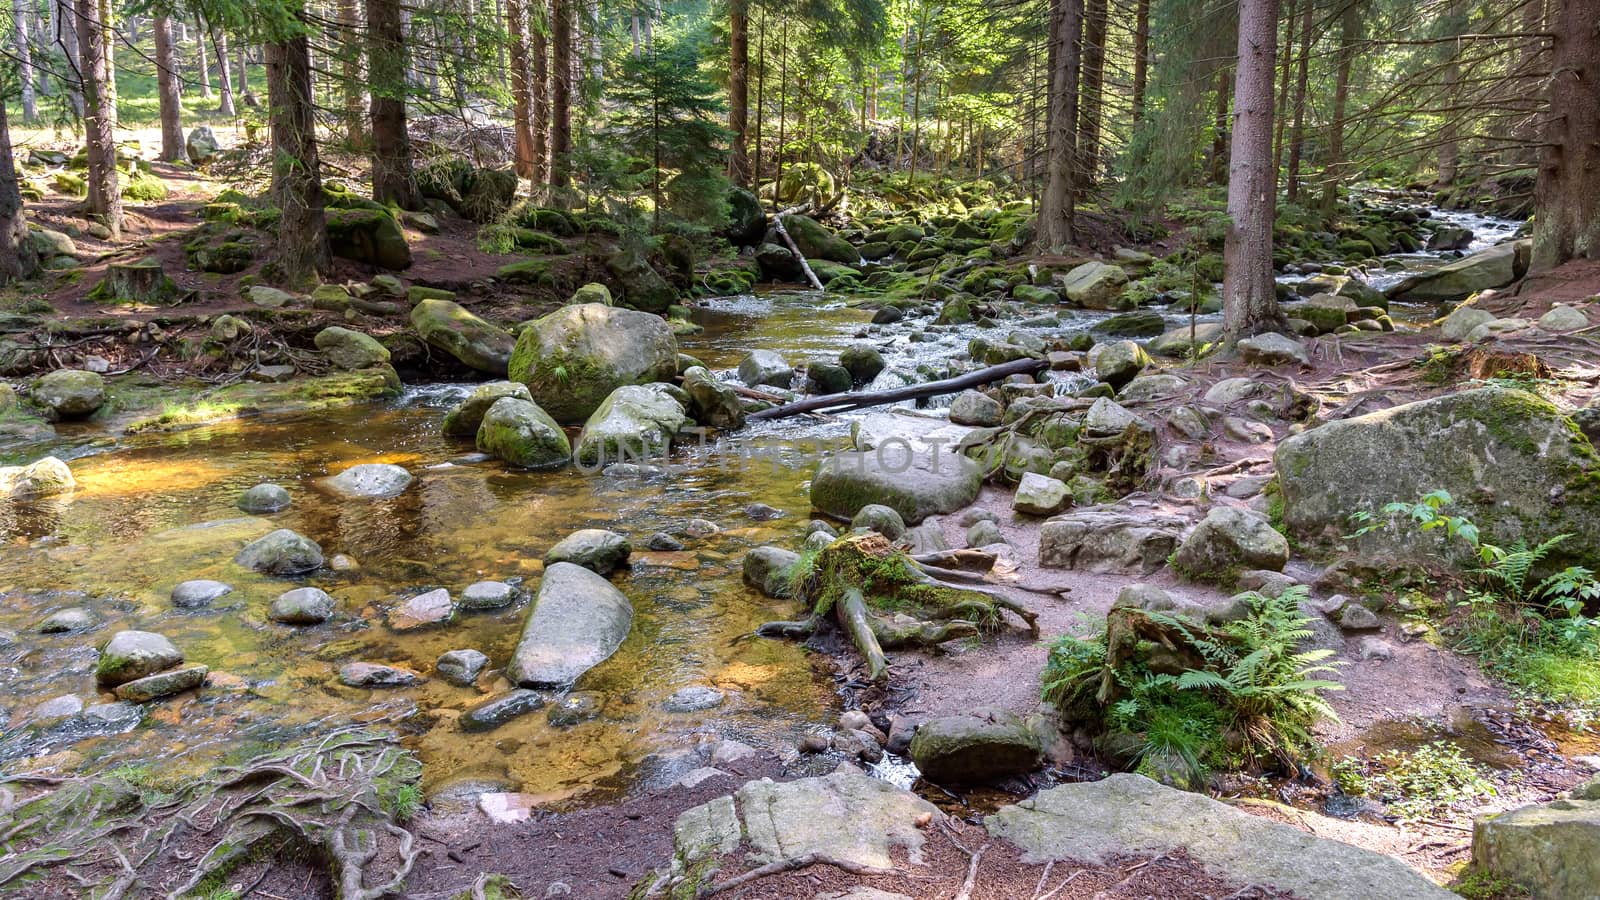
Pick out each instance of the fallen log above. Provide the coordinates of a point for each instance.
(864, 399)
(777, 224)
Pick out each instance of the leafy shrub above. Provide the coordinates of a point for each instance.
(1417, 784)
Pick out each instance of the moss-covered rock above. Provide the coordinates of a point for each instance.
(640, 286)
(817, 242)
(634, 422)
(518, 431)
(350, 349)
(70, 393)
(368, 235)
(451, 328)
(574, 358)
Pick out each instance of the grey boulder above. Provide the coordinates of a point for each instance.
(578, 620)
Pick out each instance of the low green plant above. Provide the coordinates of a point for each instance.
(1256, 696)
(1416, 784)
(1528, 625)
(1479, 885)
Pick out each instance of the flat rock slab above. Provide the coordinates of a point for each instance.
(578, 620)
(370, 481)
(914, 484)
(1124, 814)
(847, 816)
(432, 608)
(163, 684)
(918, 432)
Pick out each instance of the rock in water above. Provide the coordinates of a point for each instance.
(488, 595)
(281, 553)
(134, 654)
(1119, 363)
(1230, 539)
(374, 675)
(595, 549)
(370, 481)
(765, 367)
(302, 606)
(429, 608)
(974, 408)
(501, 708)
(70, 393)
(767, 570)
(461, 667)
(988, 746)
(264, 498)
(45, 478)
(1544, 473)
(199, 593)
(915, 485)
(578, 620)
(574, 358)
(1495, 267)
(1095, 285)
(162, 684)
(1130, 814)
(476, 343)
(518, 431)
(635, 423)
(464, 419)
(712, 402)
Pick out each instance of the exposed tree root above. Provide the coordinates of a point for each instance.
(789, 865)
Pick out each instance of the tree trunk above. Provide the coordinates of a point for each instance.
(219, 42)
(1449, 140)
(1249, 300)
(1141, 58)
(1055, 209)
(302, 248)
(1219, 136)
(202, 61)
(99, 121)
(17, 260)
(1566, 223)
(66, 19)
(20, 12)
(738, 90)
(1302, 78)
(393, 180)
(171, 103)
(353, 110)
(539, 87)
(1333, 173)
(560, 93)
(1281, 120)
(761, 99)
(521, 102)
(1095, 29)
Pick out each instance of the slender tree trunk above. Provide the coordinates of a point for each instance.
(783, 114)
(1449, 140)
(20, 12)
(1141, 57)
(108, 28)
(521, 102)
(761, 99)
(1333, 173)
(225, 107)
(171, 103)
(1055, 211)
(1302, 80)
(17, 259)
(738, 90)
(1566, 223)
(1281, 120)
(1095, 29)
(560, 93)
(539, 86)
(393, 180)
(245, 93)
(351, 90)
(99, 122)
(1219, 137)
(302, 248)
(67, 39)
(202, 62)
(1249, 300)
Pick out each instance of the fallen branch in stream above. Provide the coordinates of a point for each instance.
(864, 399)
(777, 225)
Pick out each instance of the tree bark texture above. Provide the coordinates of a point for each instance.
(1249, 298)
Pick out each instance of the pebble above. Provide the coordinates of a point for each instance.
(761, 512)
(488, 595)
(1356, 617)
(199, 593)
(461, 667)
(663, 541)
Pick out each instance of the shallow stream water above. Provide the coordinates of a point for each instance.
(151, 511)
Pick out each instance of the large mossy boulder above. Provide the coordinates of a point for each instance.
(1495, 267)
(451, 328)
(1511, 461)
(134, 654)
(370, 236)
(516, 430)
(635, 422)
(348, 349)
(578, 620)
(70, 393)
(574, 358)
(639, 285)
(1095, 285)
(817, 242)
(44, 478)
(914, 484)
(1230, 540)
(1552, 849)
(974, 749)
(465, 417)
(747, 221)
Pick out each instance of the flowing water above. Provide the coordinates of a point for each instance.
(154, 510)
